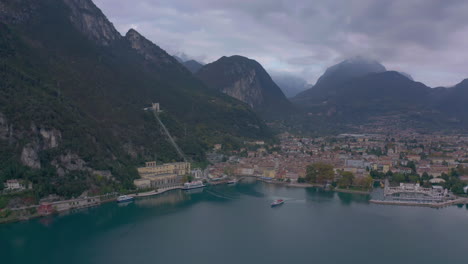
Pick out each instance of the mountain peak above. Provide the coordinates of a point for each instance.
(89, 19)
(246, 80)
(350, 68)
(150, 51)
(132, 32)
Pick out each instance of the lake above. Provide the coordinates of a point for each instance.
(235, 224)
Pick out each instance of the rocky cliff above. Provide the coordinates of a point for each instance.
(72, 97)
(246, 80)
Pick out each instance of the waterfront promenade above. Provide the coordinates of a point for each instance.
(423, 204)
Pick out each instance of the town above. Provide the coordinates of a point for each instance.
(413, 168)
(357, 160)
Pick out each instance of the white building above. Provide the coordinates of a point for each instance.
(16, 185)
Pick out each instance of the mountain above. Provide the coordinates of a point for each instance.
(290, 84)
(452, 101)
(72, 96)
(345, 97)
(246, 80)
(193, 66)
(349, 69)
(341, 73)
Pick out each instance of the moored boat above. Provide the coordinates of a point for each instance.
(232, 181)
(124, 199)
(193, 185)
(277, 202)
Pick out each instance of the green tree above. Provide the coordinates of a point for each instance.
(457, 188)
(425, 176)
(346, 180)
(301, 180)
(319, 173)
(398, 177)
(414, 178)
(411, 165)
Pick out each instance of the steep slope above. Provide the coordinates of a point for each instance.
(452, 101)
(193, 66)
(246, 80)
(72, 95)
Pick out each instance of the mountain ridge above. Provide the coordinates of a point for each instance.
(71, 101)
(246, 80)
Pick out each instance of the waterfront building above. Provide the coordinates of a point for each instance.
(142, 183)
(17, 185)
(413, 192)
(47, 208)
(197, 173)
(163, 176)
(151, 168)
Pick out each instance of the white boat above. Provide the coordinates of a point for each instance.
(232, 181)
(193, 185)
(124, 198)
(277, 202)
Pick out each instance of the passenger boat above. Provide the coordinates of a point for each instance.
(277, 202)
(193, 185)
(124, 199)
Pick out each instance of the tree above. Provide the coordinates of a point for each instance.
(457, 188)
(320, 173)
(414, 178)
(301, 180)
(365, 182)
(398, 177)
(411, 165)
(346, 180)
(425, 176)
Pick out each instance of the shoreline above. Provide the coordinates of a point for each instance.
(431, 205)
(135, 195)
(353, 191)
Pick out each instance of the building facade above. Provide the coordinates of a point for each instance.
(163, 176)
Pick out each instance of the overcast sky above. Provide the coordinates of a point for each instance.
(425, 38)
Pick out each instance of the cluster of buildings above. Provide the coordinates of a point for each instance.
(405, 152)
(167, 175)
(16, 185)
(414, 192)
(49, 206)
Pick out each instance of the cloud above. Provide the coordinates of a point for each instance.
(426, 38)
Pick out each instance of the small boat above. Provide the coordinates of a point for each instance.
(124, 199)
(232, 181)
(193, 185)
(277, 202)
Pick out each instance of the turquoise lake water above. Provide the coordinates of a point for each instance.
(235, 224)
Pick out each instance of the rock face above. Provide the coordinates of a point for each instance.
(245, 80)
(30, 157)
(91, 21)
(150, 51)
(51, 138)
